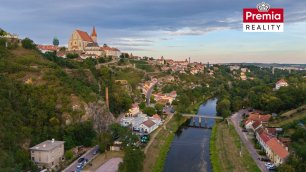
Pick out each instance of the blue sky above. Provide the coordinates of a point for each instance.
(205, 30)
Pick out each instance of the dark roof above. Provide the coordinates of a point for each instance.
(92, 44)
(149, 123)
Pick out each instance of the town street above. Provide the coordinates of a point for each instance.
(236, 119)
(149, 92)
(88, 155)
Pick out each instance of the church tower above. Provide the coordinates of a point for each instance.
(94, 34)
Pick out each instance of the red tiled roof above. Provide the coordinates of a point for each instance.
(281, 81)
(258, 117)
(156, 116)
(107, 48)
(135, 105)
(271, 131)
(47, 47)
(84, 36)
(149, 123)
(264, 136)
(256, 124)
(278, 148)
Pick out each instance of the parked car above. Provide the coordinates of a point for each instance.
(82, 161)
(270, 166)
(95, 152)
(265, 159)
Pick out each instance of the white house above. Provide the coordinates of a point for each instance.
(148, 126)
(281, 83)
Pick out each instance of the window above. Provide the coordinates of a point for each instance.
(33, 158)
(53, 163)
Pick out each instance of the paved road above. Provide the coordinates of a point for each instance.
(236, 118)
(88, 155)
(111, 165)
(149, 92)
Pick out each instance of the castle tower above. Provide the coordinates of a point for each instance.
(94, 34)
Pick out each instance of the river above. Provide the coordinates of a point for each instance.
(189, 150)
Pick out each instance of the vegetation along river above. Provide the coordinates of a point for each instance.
(189, 150)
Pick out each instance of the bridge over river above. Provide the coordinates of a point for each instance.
(199, 118)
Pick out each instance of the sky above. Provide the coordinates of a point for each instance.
(205, 30)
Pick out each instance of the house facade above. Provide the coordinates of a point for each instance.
(147, 126)
(276, 151)
(48, 154)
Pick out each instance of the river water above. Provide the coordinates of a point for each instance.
(189, 150)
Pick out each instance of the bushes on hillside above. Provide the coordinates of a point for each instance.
(72, 55)
(27, 43)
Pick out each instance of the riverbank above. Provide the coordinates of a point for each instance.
(225, 147)
(157, 152)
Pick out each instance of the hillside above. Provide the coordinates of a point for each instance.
(40, 99)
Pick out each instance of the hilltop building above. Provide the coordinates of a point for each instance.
(87, 46)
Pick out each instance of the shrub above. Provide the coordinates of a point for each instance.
(72, 55)
(27, 43)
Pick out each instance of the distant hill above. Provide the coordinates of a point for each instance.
(271, 65)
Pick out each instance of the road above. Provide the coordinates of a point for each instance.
(111, 165)
(236, 118)
(88, 155)
(149, 92)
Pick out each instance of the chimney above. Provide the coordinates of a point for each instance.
(106, 97)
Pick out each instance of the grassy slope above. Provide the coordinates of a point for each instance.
(290, 116)
(157, 152)
(33, 112)
(226, 151)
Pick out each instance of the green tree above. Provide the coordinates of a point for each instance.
(2, 42)
(55, 41)
(104, 140)
(149, 111)
(142, 105)
(132, 161)
(72, 55)
(68, 154)
(223, 107)
(28, 43)
(159, 108)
